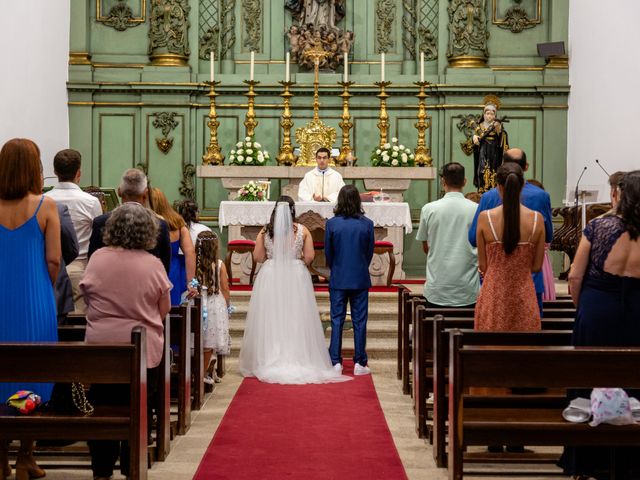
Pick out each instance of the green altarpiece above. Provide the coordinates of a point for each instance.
(137, 98)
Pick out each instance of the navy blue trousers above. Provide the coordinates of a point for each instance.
(359, 302)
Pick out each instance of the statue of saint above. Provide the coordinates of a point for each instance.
(490, 141)
(317, 12)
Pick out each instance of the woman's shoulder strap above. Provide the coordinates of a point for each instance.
(535, 223)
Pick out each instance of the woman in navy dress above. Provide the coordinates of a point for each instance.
(30, 246)
(605, 286)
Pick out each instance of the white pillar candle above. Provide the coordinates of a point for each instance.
(382, 67)
(253, 59)
(422, 66)
(286, 68)
(346, 67)
(211, 62)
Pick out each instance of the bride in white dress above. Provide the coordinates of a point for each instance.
(283, 338)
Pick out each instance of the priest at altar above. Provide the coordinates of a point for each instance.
(321, 184)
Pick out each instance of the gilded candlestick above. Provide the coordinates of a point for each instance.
(214, 155)
(383, 119)
(250, 121)
(285, 155)
(346, 157)
(422, 152)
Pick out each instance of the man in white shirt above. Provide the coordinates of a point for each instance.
(321, 184)
(83, 208)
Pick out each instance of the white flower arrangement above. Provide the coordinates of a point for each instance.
(247, 152)
(252, 192)
(392, 155)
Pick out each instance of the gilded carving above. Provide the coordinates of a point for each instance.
(169, 27)
(166, 122)
(516, 18)
(428, 44)
(120, 16)
(209, 43)
(252, 19)
(467, 125)
(409, 36)
(227, 32)
(468, 32)
(187, 188)
(385, 16)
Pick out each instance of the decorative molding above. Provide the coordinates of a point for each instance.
(516, 18)
(468, 33)
(227, 32)
(166, 122)
(209, 29)
(428, 29)
(467, 125)
(252, 20)
(121, 16)
(409, 36)
(427, 44)
(385, 17)
(187, 188)
(169, 32)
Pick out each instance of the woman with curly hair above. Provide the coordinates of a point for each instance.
(124, 287)
(605, 286)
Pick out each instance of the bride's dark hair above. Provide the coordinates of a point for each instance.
(292, 209)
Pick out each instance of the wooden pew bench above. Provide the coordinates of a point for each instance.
(181, 338)
(407, 301)
(472, 337)
(89, 364)
(532, 367)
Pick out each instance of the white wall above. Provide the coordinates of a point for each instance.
(33, 95)
(604, 104)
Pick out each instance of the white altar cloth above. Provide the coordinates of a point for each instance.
(388, 214)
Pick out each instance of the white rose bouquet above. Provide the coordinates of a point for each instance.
(392, 155)
(252, 192)
(247, 152)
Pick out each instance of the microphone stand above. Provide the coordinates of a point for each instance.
(578, 225)
(600, 165)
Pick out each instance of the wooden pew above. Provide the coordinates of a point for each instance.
(412, 300)
(532, 367)
(89, 364)
(472, 337)
(423, 335)
(75, 331)
(181, 337)
(197, 356)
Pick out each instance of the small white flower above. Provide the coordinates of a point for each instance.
(412, 156)
(386, 146)
(404, 158)
(240, 158)
(239, 144)
(394, 154)
(394, 162)
(395, 148)
(266, 154)
(247, 144)
(401, 147)
(378, 151)
(249, 160)
(385, 156)
(247, 139)
(233, 152)
(240, 151)
(257, 145)
(249, 151)
(260, 159)
(394, 140)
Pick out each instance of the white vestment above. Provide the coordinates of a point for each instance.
(326, 184)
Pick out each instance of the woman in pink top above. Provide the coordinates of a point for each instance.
(124, 286)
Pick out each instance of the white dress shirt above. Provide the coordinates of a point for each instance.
(83, 208)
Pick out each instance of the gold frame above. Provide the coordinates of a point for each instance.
(500, 21)
(143, 9)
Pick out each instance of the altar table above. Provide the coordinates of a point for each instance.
(391, 219)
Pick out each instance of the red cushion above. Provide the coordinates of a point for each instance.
(241, 243)
(383, 244)
(318, 245)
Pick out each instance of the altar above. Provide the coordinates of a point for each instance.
(392, 222)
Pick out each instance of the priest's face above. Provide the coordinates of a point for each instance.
(322, 159)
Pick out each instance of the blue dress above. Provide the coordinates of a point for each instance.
(177, 273)
(28, 312)
(608, 314)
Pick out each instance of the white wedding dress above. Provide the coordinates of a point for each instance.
(283, 338)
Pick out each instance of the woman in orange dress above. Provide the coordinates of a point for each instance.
(510, 247)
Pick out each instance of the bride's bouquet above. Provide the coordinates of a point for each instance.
(247, 152)
(252, 192)
(393, 155)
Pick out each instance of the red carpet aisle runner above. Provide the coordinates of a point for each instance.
(328, 432)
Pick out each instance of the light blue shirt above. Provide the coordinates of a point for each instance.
(452, 263)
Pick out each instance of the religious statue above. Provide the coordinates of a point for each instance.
(490, 141)
(316, 28)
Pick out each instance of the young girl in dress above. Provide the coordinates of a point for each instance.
(213, 278)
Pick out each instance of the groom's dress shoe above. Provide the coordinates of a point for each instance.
(360, 370)
(337, 367)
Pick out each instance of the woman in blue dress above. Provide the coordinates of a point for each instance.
(30, 246)
(605, 286)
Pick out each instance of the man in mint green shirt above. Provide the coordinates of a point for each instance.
(452, 263)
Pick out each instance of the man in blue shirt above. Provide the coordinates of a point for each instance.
(531, 197)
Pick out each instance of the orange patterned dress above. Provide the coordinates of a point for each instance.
(507, 299)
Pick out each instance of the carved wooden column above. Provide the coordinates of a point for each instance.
(468, 34)
(168, 33)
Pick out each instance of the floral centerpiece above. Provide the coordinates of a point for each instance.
(247, 152)
(393, 155)
(252, 192)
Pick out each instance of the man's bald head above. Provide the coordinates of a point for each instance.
(516, 155)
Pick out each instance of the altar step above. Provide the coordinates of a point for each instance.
(381, 326)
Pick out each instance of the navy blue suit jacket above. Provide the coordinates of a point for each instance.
(531, 197)
(348, 248)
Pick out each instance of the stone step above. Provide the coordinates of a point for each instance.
(378, 329)
(240, 299)
(377, 313)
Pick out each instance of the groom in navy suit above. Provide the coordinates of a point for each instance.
(348, 248)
